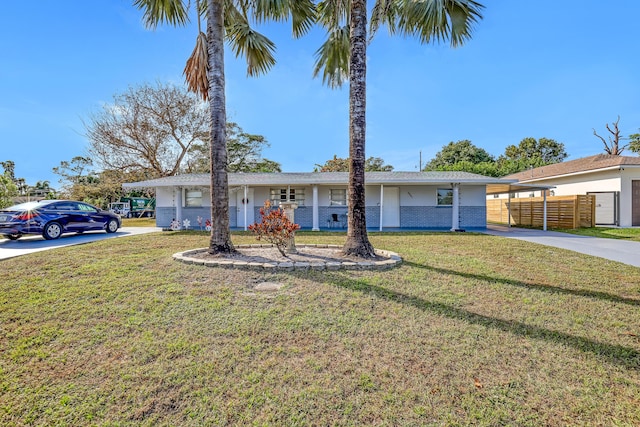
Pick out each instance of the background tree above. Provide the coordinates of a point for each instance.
(147, 128)
(634, 143)
(9, 167)
(344, 53)
(531, 153)
(8, 188)
(205, 73)
(80, 181)
(338, 164)
(613, 144)
(244, 153)
(458, 152)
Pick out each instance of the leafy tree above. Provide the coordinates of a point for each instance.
(455, 152)
(338, 164)
(613, 144)
(8, 189)
(205, 73)
(147, 128)
(244, 153)
(634, 143)
(534, 153)
(343, 56)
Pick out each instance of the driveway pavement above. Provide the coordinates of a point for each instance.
(29, 244)
(616, 250)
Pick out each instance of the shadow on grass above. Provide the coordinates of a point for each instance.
(612, 353)
(544, 288)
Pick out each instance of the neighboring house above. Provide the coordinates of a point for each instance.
(614, 180)
(404, 200)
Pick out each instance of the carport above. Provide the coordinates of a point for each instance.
(510, 188)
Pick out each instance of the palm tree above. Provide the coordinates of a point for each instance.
(343, 56)
(230, 20)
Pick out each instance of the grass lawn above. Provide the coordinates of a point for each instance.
(470, 330)
(609, 233)
(139, 222)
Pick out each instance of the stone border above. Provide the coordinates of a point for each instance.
(393, 259)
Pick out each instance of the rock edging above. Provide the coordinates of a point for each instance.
(392, 260)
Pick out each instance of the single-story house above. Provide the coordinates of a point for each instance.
(614, 180)
(394, 200)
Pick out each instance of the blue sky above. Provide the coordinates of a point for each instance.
(547, 68)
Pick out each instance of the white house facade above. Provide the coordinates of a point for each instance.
(394, 200)
(614, 180)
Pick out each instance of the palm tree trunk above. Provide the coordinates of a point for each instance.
(357, 243)
(220, 234)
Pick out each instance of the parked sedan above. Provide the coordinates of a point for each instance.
(52, 218)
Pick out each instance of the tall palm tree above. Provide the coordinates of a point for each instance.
(230, 20)
(343, 56)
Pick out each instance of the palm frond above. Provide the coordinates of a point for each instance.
(173, 12)
(255, 47)
(196, 72)
(383, 12)
(333, 58)
(439, 20)
(333, 13)
(300, 12)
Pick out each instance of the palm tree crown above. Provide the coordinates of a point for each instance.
(230, 20)
(343, 56)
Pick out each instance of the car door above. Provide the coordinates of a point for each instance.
(93, 218)
(65, 213)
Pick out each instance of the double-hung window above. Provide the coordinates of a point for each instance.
(338, 197)
(192, 198)
(445, 196)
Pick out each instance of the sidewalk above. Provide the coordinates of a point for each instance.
(613, 249)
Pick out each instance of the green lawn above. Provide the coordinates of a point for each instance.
(470, 330)
(609, 233)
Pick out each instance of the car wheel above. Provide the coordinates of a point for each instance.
(52, 231)
(112, 226)
(13, 236)
(129, 215)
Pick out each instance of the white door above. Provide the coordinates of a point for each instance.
(391, 207)
(243, 203)
(605, 208)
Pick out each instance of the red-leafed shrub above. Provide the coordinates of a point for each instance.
(275, 227)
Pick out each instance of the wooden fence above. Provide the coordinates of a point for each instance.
(562, 211)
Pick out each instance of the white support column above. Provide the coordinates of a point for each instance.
(245, 203)
(381, 204)
(455, 208)
(179, 205)
(509, 209)
(316, 222)
(544, 209)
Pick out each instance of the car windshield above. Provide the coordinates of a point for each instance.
(28, 206)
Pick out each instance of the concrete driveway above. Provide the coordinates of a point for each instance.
(29, 244)
(613, 249)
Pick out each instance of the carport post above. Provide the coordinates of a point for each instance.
(509, 209)
(544, 209)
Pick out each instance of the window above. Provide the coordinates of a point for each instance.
(338, 197)
(445, 196)
(192, 198)
(289, 194)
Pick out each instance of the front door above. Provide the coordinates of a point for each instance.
(391, 207)
(635, 203)
(244, 204)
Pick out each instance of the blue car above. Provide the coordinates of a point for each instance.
(52, 218)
